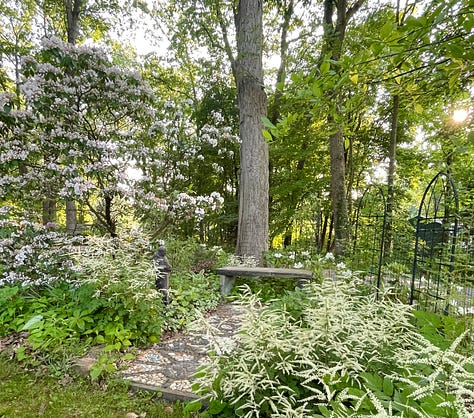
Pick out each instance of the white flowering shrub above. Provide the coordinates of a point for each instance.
(85, 118)
(330, 351)
(31, 254)
(180, 153)
(82, 123)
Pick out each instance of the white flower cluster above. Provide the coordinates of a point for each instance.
(285, 258)
(328, 257)
(76, 113)
(189, 207)
(32, 254)
(22, 255)
(77, 187)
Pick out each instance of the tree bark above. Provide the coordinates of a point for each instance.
(391, 175)
(252, 235)
(392, 157)
(71, 217)
(49, 211)
(73, 9)
(334, 34)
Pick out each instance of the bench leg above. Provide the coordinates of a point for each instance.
(226, 285)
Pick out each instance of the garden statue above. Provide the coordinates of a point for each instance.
(163, 269)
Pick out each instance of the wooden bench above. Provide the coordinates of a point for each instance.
(228, 275)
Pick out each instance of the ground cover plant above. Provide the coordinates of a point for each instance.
(31, 394)
(63, 299)
(334, 351)
(57, 301)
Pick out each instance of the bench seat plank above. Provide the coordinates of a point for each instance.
(264, 272)
(228, 275)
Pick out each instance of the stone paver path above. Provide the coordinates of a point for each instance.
(169, 365)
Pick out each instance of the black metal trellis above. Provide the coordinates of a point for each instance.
(435, 245)
(369, 231)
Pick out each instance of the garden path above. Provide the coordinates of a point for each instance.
(168, 366)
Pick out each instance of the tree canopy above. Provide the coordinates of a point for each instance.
(160, 140)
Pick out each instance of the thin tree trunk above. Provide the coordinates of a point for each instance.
(392, 156)
(71, 217)
(49, 211)
(338, 192)
(391, 176)
(334, 34)
(275, 107)
(73, 9)
(329, 243)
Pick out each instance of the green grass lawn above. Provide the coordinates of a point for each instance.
(26, 394)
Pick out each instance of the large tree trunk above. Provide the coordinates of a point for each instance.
(252, 236)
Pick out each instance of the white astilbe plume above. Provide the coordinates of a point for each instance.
(291, 364)
(98, 264)
(449, 370)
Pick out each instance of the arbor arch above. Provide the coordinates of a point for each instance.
(435, 244)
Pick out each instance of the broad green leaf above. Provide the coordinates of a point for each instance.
(128, 356)
(387, 386)
(324, 411)
(453, 80)
(376, 48)
(296, 78)
(268, 123)
(468, 22)
(216, 406)
(20, 353)
(418, 108)
(7, 292)
(193, 406)
(110, 367)
(267, 135)
(325, 66)
(455, 50)
(32, 322)
(317, 91)
(412, 22)
(386, 30)
(95, 372)
(373, 381)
